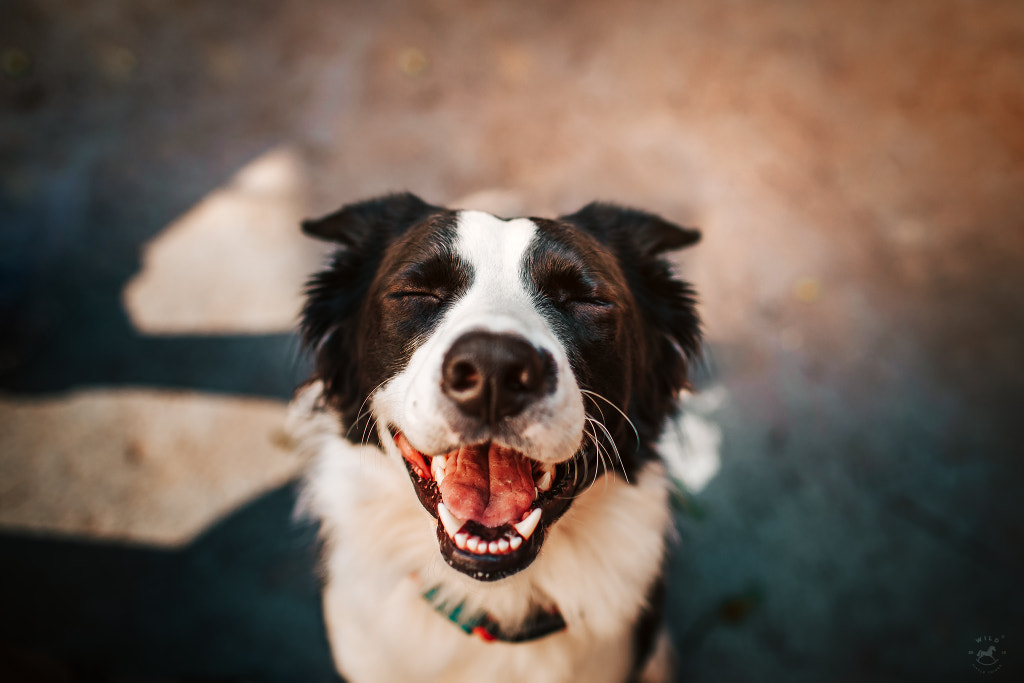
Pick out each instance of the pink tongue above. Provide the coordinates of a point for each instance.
(488, 484)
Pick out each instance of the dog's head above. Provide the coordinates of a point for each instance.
(506, 363)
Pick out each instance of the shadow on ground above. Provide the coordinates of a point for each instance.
(240, 603)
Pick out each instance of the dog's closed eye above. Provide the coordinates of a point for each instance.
(437, 296)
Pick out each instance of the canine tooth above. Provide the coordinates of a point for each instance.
(503, 545)
(492, 547)
(451, 523)
(437, 464)
(515, 542)
(528, 525)
(460, 540)
(544, 483)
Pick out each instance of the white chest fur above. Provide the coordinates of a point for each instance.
(380, 555)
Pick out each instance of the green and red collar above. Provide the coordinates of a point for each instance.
(539, 624)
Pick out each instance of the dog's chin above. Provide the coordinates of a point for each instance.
(502, 546)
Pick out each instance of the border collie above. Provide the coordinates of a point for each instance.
(484, 418)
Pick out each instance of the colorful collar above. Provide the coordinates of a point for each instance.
(539, 624)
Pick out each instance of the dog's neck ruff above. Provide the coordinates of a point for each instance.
(539, 624)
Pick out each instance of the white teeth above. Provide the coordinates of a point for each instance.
(509, 542)
(451, 523)
(478, 546)
(544, 483)
(528, 525)
(437, 464)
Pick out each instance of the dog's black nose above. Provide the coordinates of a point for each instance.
(491, 376)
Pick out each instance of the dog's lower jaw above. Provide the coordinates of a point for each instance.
(380, 550)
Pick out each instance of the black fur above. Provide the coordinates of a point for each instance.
(337, 299)
(648, 626)
(668, 324)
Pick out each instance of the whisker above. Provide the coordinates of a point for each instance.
(586, 465)
(586, 471)
(601, 451)
(591, 479)
(636, 434)
(611, 443)
(360, 414)
(597, 406)
(370, 429)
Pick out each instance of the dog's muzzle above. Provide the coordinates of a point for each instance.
(492, 502)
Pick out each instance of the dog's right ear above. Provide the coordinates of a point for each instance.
(354, 225)
(335, 295)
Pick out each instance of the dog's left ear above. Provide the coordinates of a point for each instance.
(669, 336)
(646, 233)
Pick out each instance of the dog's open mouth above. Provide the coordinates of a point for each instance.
(493, 504)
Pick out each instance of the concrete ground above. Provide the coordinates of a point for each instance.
(857, 169)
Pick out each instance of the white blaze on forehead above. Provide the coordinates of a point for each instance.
(500, 301)
(494, 248)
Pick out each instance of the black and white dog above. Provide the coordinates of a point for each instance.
(488, 399)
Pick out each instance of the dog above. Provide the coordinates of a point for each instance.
(483, 420)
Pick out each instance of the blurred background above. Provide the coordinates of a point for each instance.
(857, 168)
